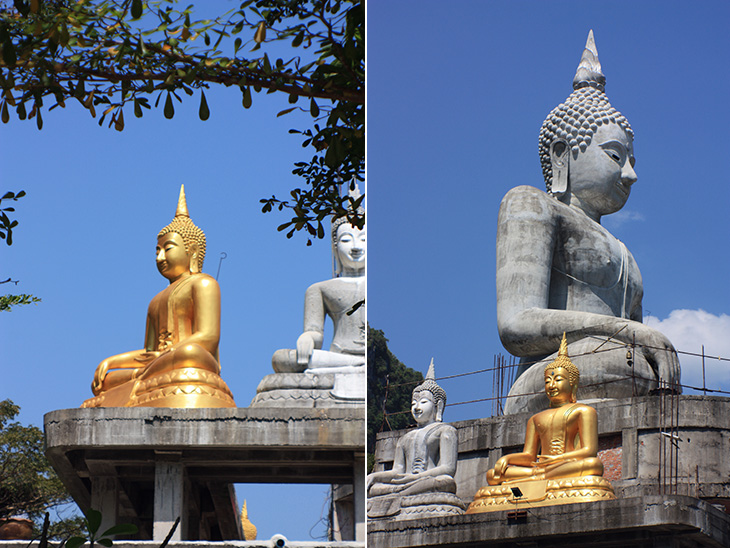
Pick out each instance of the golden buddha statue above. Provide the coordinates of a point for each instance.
(178, 366)
(559, 462)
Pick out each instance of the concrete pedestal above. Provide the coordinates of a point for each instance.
(658, 453)
(671, 521)
(149, 466)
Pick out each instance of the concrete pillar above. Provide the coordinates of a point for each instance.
(358, 496)
(169, 484)
(105, 499)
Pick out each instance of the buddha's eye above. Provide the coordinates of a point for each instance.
(615, 156)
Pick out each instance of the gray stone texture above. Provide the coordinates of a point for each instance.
(669, 521)
(147, 465)
(703, 466)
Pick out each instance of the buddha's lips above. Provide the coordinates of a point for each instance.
(356, 254)
(625, 190)
(162, 265)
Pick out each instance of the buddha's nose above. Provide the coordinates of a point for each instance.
(628, 175)
(161, 255)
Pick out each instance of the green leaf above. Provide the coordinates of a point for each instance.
(107, 542)
(137, 109)
(169, 108)
(247, 97)
(313, 108)
(298, 39)
(93, 520)
(121, 529)
(5, 114)
(204, 111)
(136, 9)
(285, 111)
(74, 542)
(9, 53)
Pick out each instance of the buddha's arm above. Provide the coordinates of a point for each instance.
(206, 324)
(314, 314)
(526, 458)
(526, 240)
(399, 466)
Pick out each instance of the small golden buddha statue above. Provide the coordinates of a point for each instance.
(559, 462)
(178, 366)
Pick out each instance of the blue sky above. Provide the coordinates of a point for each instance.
(456, 95)
(96, 199)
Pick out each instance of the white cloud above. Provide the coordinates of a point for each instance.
(622, 217)
(689, 330)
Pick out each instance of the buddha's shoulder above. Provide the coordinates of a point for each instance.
(528, 198)
(201, 279)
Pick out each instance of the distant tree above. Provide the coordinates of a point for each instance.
(120, 55)
(390, 384)
(28, 484)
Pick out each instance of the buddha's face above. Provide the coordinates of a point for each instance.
(172, 258)
(601, 177)
(351, 247)
(423, 408)
(558, 387)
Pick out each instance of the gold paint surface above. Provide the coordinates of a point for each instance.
(178, 366)
(559, 463)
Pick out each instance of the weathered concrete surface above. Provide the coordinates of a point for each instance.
(263, 543)
(631, 430)
(202, 452)
(670, 521)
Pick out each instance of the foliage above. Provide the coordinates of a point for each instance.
(6, 225)
(114, 56)
(7, 302)
(28, 484)
(92, 522)
(390, 384)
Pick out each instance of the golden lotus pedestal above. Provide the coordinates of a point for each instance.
(495, 498)
(182, 388)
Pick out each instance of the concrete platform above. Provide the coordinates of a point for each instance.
(669, 521)
(147, 466)
(634, 452)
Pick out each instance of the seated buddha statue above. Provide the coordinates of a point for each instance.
(334, 298)
(308, 376)
(560, 271)
(561, 443)
(421, 481)
(178, 367)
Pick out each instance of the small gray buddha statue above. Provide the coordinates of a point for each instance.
(421, 482)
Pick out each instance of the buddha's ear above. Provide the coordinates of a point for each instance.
(193, 256)
(440, 410)
(559, 161)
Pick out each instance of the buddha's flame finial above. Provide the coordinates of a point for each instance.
(563, 351)
(589, 69)
(182, 204)
(431, 373)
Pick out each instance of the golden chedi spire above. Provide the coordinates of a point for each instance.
(249, 529)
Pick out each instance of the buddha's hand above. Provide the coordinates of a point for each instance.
(99, 376)
(658, 352)
(147, 357)
(403, 478)
(305, 348)
(501, 467)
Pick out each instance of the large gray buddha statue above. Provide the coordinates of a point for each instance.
(421, 482)
(308, 375)
(559, 270)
